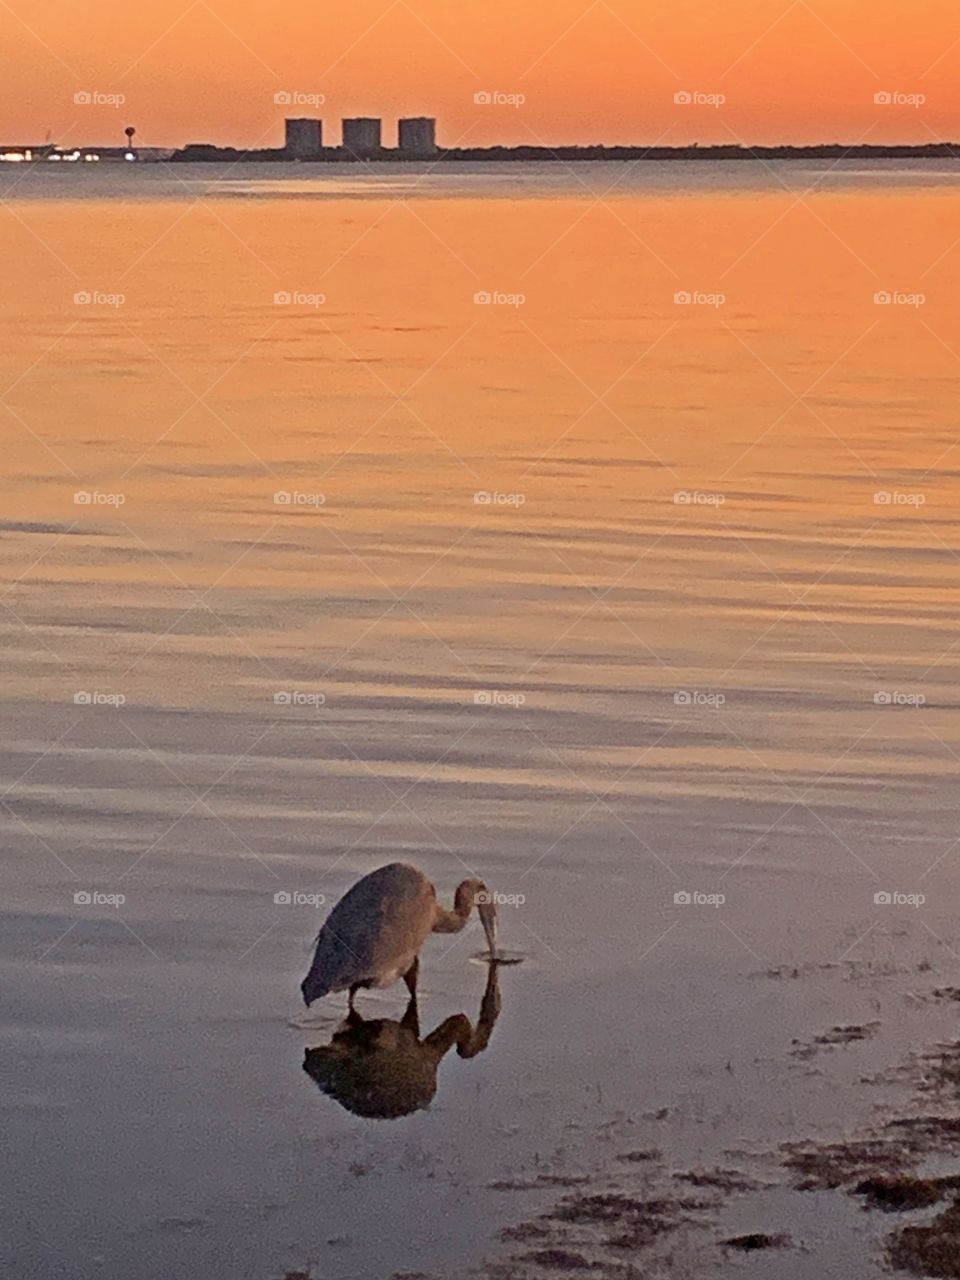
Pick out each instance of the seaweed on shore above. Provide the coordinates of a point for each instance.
(719, 1179)
(633, 1222)
(849, 1033)
(932, 1249)
(755, 1241)
(904, 1194)
(829, 1166)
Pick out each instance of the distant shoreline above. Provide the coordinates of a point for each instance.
(202, 152)
(208, 153)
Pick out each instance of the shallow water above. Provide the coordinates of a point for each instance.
(701, 639)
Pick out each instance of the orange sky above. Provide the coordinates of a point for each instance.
(590, 70)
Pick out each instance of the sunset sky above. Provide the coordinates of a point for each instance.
(189, 70)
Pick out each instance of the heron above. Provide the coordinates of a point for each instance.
(374, 934)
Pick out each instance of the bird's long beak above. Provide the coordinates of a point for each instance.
(488, 918)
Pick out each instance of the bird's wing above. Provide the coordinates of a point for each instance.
(342, 958)
(375, 926)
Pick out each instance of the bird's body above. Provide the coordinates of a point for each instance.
(374, 934)
(376, 930)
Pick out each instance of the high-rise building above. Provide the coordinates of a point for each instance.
(362, 137)
(304, 139)
(418, 137)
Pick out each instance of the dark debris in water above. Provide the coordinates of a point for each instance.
(888, 1155)
(662, 1113)
(881, 1167)
(940, 1069)
(633, 1222)
(719, 1179)
(651, 1221)
(756, 1240)
(928, 1133)
(647, 1156)
(559, 1260)
(524, 1232)
(904, 1194)
(827, 1167)
(794, 971)
(540, 1181)
(840, 1035)
(932, 1249)
(847, 970)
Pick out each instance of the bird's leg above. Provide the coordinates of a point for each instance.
(353, 995)
(411, 1018)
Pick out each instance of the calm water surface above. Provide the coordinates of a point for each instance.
(601, 595)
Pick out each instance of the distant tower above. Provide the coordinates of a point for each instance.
(361, 137)
(304, 139)
(130, 131)
(418, 137)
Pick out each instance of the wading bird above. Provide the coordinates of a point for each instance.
(374, 934)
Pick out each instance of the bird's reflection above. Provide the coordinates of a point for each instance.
(379, 1068)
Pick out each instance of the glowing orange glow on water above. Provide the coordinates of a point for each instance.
(337, 345)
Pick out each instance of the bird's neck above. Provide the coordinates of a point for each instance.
(452, 921)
